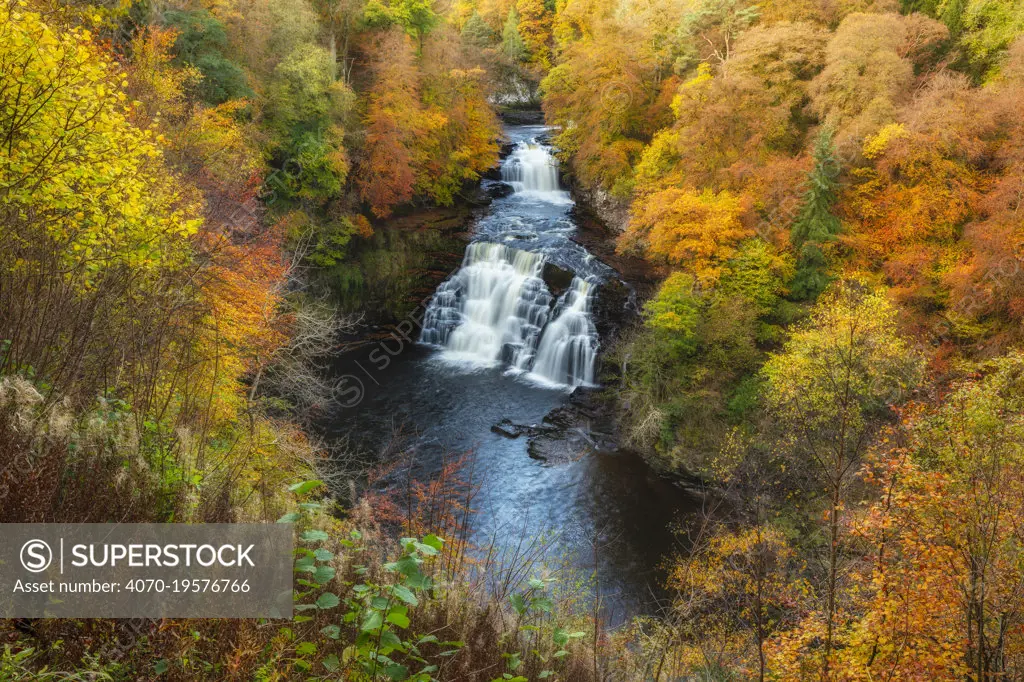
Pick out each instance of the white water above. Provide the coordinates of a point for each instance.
(497, 309)
(533, 173)
(568, 346)
(493, 309)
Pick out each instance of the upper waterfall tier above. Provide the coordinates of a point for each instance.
(532, 170)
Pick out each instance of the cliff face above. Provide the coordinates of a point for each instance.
(600, 204)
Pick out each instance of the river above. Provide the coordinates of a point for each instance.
(505, 340)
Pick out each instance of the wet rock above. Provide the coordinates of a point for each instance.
(600, 204)
(569, 445)
(506, 428)
(477, 196)
(557, 449)
(496, 189)
(556, 278)
(580, 427)
(614, 307)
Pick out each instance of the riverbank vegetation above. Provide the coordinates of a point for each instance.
(174, 180)
(832, 191)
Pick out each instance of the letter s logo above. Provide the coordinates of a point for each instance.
(36, 556)
(350, 391)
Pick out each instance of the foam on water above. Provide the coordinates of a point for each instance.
(532, 171)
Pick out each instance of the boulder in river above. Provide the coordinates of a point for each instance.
(506, 428)
(556, 278)
(580, 427)
(496, 189)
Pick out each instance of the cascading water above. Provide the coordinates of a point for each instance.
(569, 344)
(497, 307)
(493, 309)
(531, 170)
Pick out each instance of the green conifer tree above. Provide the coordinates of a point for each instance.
(816, 225)
(511, 41)
(476, 32)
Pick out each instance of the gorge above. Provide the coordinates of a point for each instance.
(507, 343)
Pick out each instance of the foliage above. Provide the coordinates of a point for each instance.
(202, 42)
(533, 31)
(675, 312)
(476, 32)
(416, 17)
(76, 172)
(426, 133)
(712, 26)
(512, 43)
(683, 368)
(828, 390)
(816, 225)
(864, 78)
(842, 367)
(737, 585)
(989, 28)
(697, 230)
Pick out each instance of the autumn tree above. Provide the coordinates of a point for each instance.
(735, 124)
(428, 130)
(341, 20)
(393, 120)
(829, 389)
(926, 180)
(945, 562)
(610, 94)
(687, 370)
(463, 143)
(87, 195)
(712, 26)
(731, 593)
(416, 17)
(535, 31)
(868, 72)
(989, 284)
(698, 231)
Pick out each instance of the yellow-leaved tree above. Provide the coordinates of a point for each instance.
(829, 391)
(91, 215)
(696, 230)
(72, 164)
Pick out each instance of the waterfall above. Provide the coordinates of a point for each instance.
(531, 170)
(497, 310)
(493, 309)
(569, 344)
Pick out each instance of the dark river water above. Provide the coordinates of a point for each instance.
(500, 345)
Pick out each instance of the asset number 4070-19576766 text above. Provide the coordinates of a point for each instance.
(192, 585)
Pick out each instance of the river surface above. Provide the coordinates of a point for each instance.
(496, 343)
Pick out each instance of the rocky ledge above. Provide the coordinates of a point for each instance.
(580, 427)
